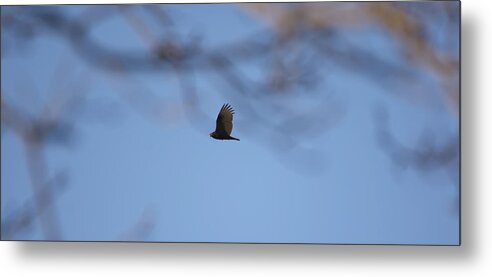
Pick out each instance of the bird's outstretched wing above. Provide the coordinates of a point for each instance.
(224, 120)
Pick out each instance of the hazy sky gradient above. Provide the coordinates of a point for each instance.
(194, 188)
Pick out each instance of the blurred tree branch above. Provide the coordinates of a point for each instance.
(406, 26)
(34, 135)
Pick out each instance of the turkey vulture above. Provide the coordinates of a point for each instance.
(223, 127)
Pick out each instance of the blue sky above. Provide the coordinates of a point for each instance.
(194, 188)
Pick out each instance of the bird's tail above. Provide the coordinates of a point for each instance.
(235, 138)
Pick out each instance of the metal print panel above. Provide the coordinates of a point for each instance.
(316, 123)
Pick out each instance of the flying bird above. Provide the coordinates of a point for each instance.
(223, 127)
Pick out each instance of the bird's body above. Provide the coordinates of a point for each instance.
(223, 127)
